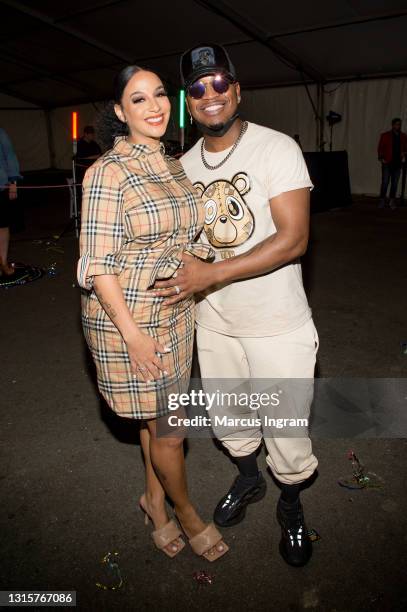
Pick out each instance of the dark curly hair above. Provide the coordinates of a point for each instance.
(108, 125)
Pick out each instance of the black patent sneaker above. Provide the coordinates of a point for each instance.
(231, 509)
(295, 545)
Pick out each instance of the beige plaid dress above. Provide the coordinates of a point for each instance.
(139, 214)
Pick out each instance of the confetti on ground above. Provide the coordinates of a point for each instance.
(23, 273)
(360, 479)
(57, 249)
(313, 535)
(52, 269)
(50, 245)
(111, 566)
(203, 578)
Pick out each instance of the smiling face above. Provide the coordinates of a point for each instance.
(145, 108)
(213, 108)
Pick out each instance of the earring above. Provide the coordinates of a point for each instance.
(191, 120)
(238, 99)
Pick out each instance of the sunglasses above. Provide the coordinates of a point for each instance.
(220, 84)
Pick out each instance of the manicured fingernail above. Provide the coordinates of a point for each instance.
(167, 349)
(174, 275)
(165, 373)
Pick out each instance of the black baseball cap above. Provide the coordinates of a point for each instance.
(204, 59)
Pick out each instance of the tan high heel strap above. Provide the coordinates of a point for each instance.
(167, 534)
(207, 539)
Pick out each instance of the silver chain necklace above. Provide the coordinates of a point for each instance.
(232, 150)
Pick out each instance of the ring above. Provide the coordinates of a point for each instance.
(141, 369)
(177, 290)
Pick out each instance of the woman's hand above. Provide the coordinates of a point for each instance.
(144, 352)
(194, 276)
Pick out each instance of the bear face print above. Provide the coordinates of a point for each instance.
(228, 219)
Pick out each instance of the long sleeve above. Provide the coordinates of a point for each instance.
(381, 148)
(102, 228)
(9, 161)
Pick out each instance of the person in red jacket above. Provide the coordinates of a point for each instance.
(392, 152)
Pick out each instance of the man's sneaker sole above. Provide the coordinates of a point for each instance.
(285, 558)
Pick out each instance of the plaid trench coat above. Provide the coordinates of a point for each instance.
(139, 214)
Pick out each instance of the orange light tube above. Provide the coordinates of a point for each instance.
(74, 125)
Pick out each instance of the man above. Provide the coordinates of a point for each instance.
(392, 151)
(88, 149)
(87, 153)
(254, 321)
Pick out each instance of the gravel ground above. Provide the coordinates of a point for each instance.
(71, 472)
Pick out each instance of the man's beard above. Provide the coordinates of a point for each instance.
(219, 129)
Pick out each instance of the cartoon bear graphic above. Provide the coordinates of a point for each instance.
(229, 221)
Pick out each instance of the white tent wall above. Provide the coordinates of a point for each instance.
(27, 130)
(286, 109)
(367, 108)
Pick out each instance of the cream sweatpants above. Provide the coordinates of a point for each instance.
(287, 356)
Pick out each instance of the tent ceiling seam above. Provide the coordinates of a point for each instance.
(342, 24)
(265, 38)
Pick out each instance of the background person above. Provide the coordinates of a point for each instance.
(9, 174)
(88, 151)
(392, 152)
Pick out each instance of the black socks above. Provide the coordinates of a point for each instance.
(290, 494)
(249, 471)
(247, 466)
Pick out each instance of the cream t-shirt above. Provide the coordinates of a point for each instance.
(238, 216)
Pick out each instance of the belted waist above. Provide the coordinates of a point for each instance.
(170, 259)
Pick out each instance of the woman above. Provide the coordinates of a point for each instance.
(9, 173)
(139, 215)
